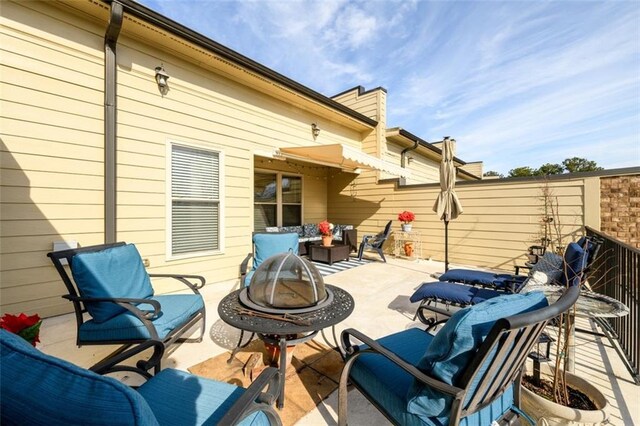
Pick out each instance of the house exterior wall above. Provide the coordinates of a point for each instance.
(501, 217)
(52, 86)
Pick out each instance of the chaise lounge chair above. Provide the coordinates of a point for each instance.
(569, 268)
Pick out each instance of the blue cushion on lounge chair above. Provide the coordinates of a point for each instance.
(468, 276)
(200, 401)
(114, 272)
(453, 293)
(38, 389)
(389, 385)
(176, 309)
(456, 343)
(575, 260)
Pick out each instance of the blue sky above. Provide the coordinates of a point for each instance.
(518, 83)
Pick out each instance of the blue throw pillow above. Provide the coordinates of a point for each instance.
(114, 272)
(453, 347)
(575, 260)
(38, 389)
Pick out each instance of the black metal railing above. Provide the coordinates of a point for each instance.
(616, 273)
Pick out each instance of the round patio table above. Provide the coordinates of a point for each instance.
(286, 330)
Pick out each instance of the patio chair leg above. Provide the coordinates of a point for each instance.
(240, 345)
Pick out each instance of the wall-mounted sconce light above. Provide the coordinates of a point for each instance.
(315, 130)
(162, 79)
(409, 160)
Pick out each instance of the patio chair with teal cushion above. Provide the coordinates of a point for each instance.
(265, 245)
(375, 242)
(39, 389)
(110, 283)
(467, 374)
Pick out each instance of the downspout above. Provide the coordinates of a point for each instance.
(110, 70)
(403, 180)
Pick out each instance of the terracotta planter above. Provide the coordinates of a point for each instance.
(326, 240)
(408, 248)
(406, 227)
(546, 412)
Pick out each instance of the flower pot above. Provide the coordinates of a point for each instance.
(326, 240)
(546, 412)
(408, 248)
(406, 227)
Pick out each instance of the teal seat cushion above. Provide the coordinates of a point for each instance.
(113, 272)
(179, 398)
(38, 389)
(176, 310)
(267, 245)
(388, 385)
(452, 349)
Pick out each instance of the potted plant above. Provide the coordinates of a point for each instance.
(27, 327)
(326, 230)
(563, 398)
(406, 217)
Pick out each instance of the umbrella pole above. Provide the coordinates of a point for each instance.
(446, 245)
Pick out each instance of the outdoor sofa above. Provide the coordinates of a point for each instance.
(309, 234)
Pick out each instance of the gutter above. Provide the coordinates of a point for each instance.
(110, 110)
(427, 145)
(141, 12)
(415, 146)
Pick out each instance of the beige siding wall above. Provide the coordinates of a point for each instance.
(500, 220)
(474, 168)
(423, 170)
(51, 147)
(52, 156)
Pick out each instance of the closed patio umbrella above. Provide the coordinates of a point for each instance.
(447, 204)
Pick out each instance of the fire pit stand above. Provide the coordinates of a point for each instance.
(286, 330)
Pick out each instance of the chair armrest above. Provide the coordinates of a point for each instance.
(110, 365)
(254, 399)
(130, 305)
(432, 322)
(354, 351)
(244, 265)
(184, 279)
(518, 267)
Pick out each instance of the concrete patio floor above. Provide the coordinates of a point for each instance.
(381, 292)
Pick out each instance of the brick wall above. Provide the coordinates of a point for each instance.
(620, 208)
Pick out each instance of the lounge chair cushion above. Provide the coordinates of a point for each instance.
(38, 389)
(456, 343)
(453, 293)
(575, 260)
(199, 401)
(114, 272)
(176, 309)
(469, 276)
(388, 384)
(549, 264)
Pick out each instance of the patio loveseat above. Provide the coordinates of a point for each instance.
(309, 233)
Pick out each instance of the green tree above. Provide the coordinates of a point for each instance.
(521, 172)
(577, 164)
(549, 169)
(493, 173)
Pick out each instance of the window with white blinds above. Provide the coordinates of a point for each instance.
(195, 200)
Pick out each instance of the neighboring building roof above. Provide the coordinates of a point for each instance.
(133, 8)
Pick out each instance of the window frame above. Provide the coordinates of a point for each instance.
(169, 200)
(279, 202)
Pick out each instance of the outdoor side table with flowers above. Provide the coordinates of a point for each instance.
(27, 327)
(326, 230)
(406, 217)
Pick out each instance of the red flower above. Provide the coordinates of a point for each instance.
(406, 217)
(325, 228)
(27, 327)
